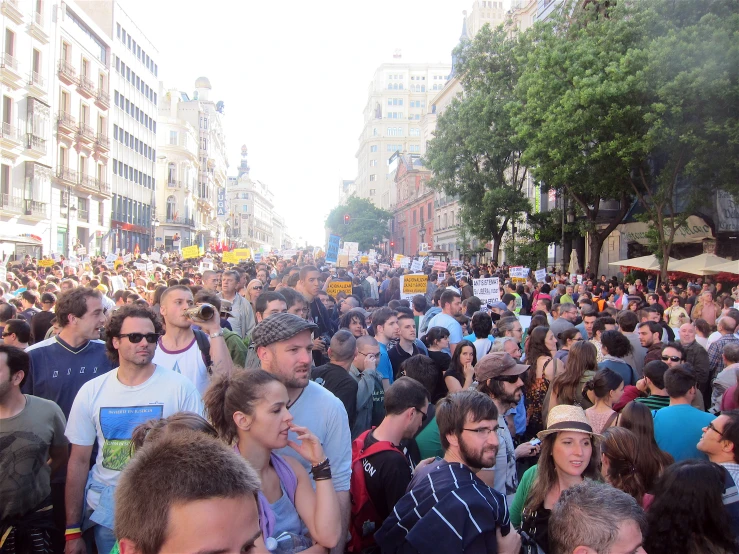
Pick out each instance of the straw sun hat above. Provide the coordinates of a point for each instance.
(567, 418)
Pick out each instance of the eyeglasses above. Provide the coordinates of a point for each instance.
(519, 330)
(369, 354)
(258, 287)
(483, 432)
(507, 378)
(136, 338)
(712, 428)
(672, 358)
(423, 414)
(7, 335)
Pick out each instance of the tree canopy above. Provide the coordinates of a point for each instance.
(368, 224)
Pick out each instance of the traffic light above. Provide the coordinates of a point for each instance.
(346, 219)
(392, 244)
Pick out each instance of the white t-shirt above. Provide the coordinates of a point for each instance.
(107, 411)
(188, 361)
(713, 337)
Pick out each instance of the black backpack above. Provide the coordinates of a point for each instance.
(204, 345)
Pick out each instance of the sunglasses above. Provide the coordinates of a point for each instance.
(5, 335)
(257, 288)
(136, 338)
(423, 414)
(672, 358)
(507, 378)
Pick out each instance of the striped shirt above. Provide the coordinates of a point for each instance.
(448, 510)
(654, 402)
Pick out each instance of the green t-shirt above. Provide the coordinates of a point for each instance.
(428, 441)
(522, 494)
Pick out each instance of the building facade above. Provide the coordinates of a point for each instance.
(132, 133)
(413, 221)
(397, 98)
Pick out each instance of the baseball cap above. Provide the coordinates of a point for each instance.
(498, 306)
(279, 327)
(496, 364)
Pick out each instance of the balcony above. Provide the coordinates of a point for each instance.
(83, 215)
(9, 203)
(172, 184)
(88, 182)
(66, 124)
(86, 87)
(66, 175)
(9, 73)
(9, 137)
(37, 209)
(37, 27)
(103, 187)
(102, 99)
(66, 72)
(102, 142)
(11, 9)
(85, 134)
(189, 221)
(36, 84)
(35, 146)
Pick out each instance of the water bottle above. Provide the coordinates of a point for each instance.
(287, 543)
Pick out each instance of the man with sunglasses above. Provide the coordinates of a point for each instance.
(105, 412)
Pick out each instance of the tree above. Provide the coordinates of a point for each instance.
(367, 224)
(474, 155)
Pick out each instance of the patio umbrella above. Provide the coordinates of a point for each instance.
(648, 263)
(730, 267)
(698, 265)
(573, 263)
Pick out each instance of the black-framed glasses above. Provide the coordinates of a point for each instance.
(5, 335)
(507, 378)
(259, 287)
(136, 338)
(483, 432)
(370, 354)
(672, 358)
(424, 415)
(712, 428)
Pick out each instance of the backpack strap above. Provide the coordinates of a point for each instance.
(610, 420)
(361, 452)
(204, 345)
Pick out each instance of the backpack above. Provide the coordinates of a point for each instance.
(364, 519)
(204, 346)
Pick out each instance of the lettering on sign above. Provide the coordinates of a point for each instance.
(47, 263)
(487, 290)
(540, 275)
(414, 284)
(335, 287)
(332, 249)
(439, 266)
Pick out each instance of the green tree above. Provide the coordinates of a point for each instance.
(368, 224)
(474, 154)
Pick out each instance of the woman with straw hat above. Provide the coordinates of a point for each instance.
(566, 459)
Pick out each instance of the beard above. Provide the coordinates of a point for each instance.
(511, 398)
(475, 459)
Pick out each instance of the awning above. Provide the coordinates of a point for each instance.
(648, 263)
(730, 267)
(698, 265)
(36, 241)
(695, 229)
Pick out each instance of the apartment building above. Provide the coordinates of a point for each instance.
(397, 98)
(134, 86)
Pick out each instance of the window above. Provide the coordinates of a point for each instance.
(414, 148)
(115, 132)
(373, 177)
(372, 192)
(9, 42)
(373, 148)
(118, 30)
(373, 163)
(171, 208)
(415, 132)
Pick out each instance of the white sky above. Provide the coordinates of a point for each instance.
(294, 77)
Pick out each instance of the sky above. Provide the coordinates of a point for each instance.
(294, 77)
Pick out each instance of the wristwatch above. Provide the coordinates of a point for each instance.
(218, 333)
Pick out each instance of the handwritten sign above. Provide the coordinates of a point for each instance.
(141, 266)
(229, 258)
(242, 253)
(416, 266)
(487, 290)
(45, 263)
(405, 263)
(439, 266)
(190, 252)
(335, 287)
(352, 248)
(332, 250)
(540, 275)
(411, 285)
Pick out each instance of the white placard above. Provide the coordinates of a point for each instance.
(206, 265)
(141, 266)
(417, 265)
(352, 248)
(519, 272)
(111, 258)
(405, 263)
(487, 290)
(155, 256)
(540, 275)
(127, 258)
(117, 283)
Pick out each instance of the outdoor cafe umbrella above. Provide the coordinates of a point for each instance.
(573, 263)
(698, 265)
(647, 263)
(729, 267)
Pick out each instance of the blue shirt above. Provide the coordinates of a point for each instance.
(451, 325)
(384, 367)
(678, 429)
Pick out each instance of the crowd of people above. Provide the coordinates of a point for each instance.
(247, 408)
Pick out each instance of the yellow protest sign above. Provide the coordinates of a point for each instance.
(230, 258)
(191, 252)
(118, 263)
(415, 284)
(334, 287)
(45, 263)
(242, 253)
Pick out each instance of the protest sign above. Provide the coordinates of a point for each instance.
(440, 277)
(242, 253)
(342, 261)
(332, 249)
(258, 257)
(439, 266)
(205, 265)
(519, 274)
(141, 266)
(229, 258)
(540, 275)
(487, 290)
(579, 279)
(155, 256)
(49, 263)
(411, 285)
(188, 252)
(456, 263)
(334, 287)
(127, 258)
(384, 267)
(364, 259)
(117, 283)
(405, 263)
(416, 266)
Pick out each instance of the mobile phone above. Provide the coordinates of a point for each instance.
(534, 442)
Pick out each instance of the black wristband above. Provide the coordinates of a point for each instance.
(323, 474)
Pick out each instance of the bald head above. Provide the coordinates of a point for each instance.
(368, 353)
(727, 325)
(687, 333)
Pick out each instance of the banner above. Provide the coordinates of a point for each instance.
(487, 290)
(335, 287)
(190, 252)
(540, 275)
(332, 250)
(411, 285)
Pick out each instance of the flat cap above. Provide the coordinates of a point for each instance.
(279, 327)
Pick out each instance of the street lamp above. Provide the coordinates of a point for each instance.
(69, 221)
(154, 225)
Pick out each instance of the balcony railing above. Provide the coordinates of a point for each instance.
(173, 184)
(38, 18)
(66, 119)
(83, 215)
(9, 202)
(9, 132)
(86, 86)
(103, 98)
(35, 143)
(103, 187)
(180, 221)
(36, 80)
(66, 174)
(36, 208)
(102, 141)
(87, 132)
(66, 71)
(88, 181)
(7, 60)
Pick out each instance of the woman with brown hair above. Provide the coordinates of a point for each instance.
(567, 458)
(621, 465)
(637, 418)
(567, 387)
(543, 367)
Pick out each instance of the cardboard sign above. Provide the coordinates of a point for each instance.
(352, 248)
(45, 263)
(416, 266)
(230, 258)
(414, 284)
(487, 290)
(439, 266)
(540, 275)
(456, 263)
(205, 265)
(405, 263)
(190, 252)
(335, 287)
(242, 253)
(332, 249)
(342, 260)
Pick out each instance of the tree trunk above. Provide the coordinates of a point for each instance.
(496, 249)
(595, 241)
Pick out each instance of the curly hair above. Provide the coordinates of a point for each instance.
(113, 328)
(688, 513)
(625, 466)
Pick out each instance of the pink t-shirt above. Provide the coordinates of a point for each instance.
(727, 400)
